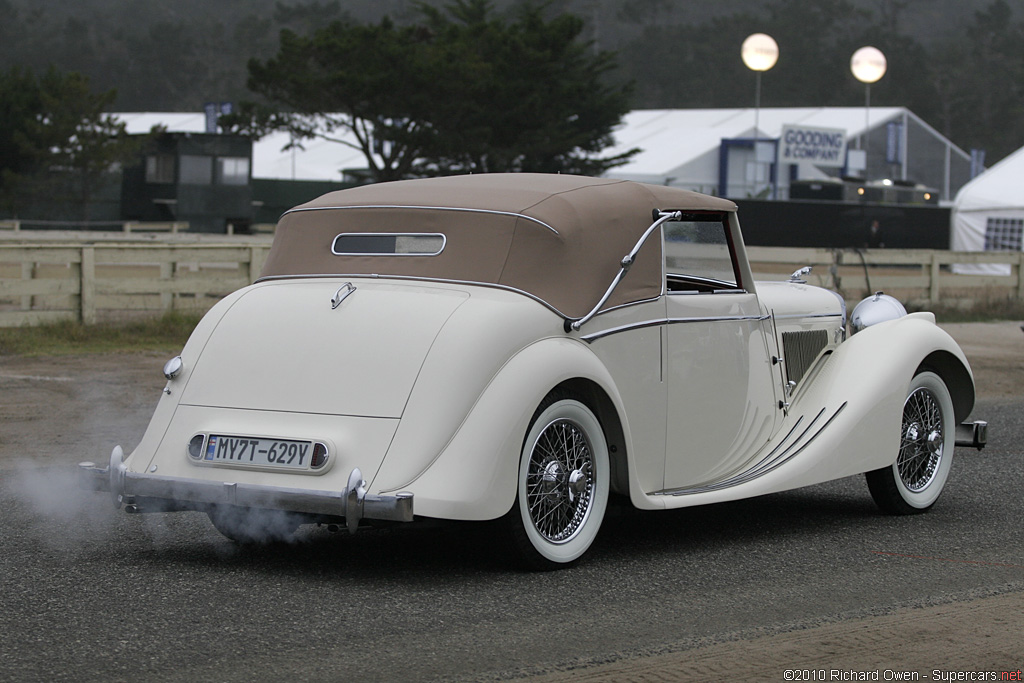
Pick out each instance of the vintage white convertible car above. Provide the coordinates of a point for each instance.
(518, 347)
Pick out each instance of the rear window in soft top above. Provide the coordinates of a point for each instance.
(388, 244)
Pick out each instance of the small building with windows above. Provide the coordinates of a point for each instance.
(202, 179)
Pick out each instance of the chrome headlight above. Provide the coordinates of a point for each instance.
(875, 309)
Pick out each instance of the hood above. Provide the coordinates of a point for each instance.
(796, 300)
(282, 347)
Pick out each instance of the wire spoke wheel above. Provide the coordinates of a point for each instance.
(921, 447)
(563, 485)
(559, 485)
(915, 480)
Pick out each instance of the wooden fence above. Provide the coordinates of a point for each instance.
(126, 226)
(107, 281)
(43, 281)
(920, 277)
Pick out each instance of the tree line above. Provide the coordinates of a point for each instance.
(57, 140)
(490, 85)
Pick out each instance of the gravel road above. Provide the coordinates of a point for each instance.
(794, 586)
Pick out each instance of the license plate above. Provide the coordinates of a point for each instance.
(259, 452)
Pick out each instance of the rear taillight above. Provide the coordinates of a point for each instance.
(320, 456)
(195, 446)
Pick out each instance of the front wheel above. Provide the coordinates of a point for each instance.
(913, 483)
(563, 485)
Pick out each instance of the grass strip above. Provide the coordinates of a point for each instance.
(165, 333)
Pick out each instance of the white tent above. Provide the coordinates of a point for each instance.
(988, 214)
(680, 147)
(683, 147)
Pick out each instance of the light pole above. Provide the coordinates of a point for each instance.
(759, 52)
(868, 66)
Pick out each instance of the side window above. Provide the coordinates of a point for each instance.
(697, 254)
(160, 169)
(195, 170)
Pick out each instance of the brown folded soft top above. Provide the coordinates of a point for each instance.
(559, 238)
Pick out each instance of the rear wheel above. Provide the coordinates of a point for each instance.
(563, 485)
(928, 432)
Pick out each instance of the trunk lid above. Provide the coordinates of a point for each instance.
(282, 347)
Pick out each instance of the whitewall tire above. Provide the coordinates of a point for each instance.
(563, 485)
(928, 434)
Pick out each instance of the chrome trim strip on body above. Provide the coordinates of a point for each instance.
(420, 278)
(414, 278)
(589, 338)
(694, 292)
(715, 319)
(793, 316)
(786, 450)
(431, 208)
(507, 288)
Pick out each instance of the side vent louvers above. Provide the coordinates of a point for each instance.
(800, 349)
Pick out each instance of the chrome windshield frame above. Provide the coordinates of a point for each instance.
(626, 264)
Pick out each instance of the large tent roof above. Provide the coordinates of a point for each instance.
(559, 238)
(668, 138)
(1000, 187)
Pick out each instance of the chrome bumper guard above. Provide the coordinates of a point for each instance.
(972, 434)
(154, 493)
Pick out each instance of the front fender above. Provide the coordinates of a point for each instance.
(870, 374)
(474, 476)
(845, 417)
(912, 343)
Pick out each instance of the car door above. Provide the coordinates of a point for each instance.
(721, 389)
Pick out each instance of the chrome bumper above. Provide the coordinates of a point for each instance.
(154, 493)
(972, 434)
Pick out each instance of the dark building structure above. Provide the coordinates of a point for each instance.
(202, 179)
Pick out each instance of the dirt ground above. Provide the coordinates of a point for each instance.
(996, 354)
(62, 410)
(949, 642)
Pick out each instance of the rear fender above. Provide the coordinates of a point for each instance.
(474, 476)
(142, 457)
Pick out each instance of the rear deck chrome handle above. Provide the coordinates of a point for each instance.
(339, 297)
